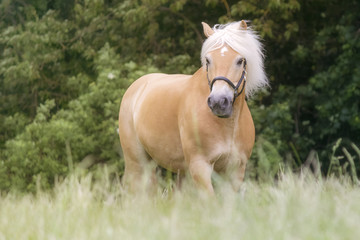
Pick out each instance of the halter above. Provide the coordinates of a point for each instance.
(236, 88)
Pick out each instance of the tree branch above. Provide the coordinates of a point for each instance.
(187, 20)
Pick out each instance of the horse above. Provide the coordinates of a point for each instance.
(200, 123)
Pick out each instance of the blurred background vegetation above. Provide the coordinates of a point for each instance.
(65, 64)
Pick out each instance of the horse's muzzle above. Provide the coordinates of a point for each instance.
(220, 106)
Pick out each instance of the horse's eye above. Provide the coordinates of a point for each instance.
(207, 61)
(240, 61)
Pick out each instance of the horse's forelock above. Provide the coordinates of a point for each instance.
(247, 44)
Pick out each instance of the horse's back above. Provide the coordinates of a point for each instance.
(156, 88)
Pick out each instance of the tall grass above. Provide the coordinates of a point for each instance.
(79, 208)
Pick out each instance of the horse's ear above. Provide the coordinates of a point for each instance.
(207, 29)
(243, 25)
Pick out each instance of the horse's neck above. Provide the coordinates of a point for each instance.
(199, 82)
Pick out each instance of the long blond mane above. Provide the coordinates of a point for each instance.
(247, 44)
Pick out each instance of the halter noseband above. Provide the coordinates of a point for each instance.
(236, 88)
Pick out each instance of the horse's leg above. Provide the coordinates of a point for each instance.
(179, 179)
(139, 175)
(132, 175)
(136, 166)
(200, 171)
(237, 176)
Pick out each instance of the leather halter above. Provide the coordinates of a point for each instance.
(236, 88)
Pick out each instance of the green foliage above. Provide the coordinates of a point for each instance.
(344, 164)
(268, 161)
(327, 106)
(64, 66)
(29, 65)
(53, 143)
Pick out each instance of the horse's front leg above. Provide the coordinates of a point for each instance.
(237, 176)
(200, 171)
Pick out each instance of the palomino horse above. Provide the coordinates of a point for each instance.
(196, 123)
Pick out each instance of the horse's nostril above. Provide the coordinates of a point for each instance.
(210, 103)
(224, 102)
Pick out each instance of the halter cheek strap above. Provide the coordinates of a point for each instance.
(236, 88)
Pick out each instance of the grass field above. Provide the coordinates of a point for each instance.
(292, 208)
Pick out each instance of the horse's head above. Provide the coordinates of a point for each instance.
(225, 55)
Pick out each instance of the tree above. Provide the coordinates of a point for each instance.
(64, 66)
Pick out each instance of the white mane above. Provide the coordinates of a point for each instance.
(247, 44)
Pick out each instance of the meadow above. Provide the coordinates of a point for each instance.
(294, 207)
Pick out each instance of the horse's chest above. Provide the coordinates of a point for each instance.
(225, 157)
